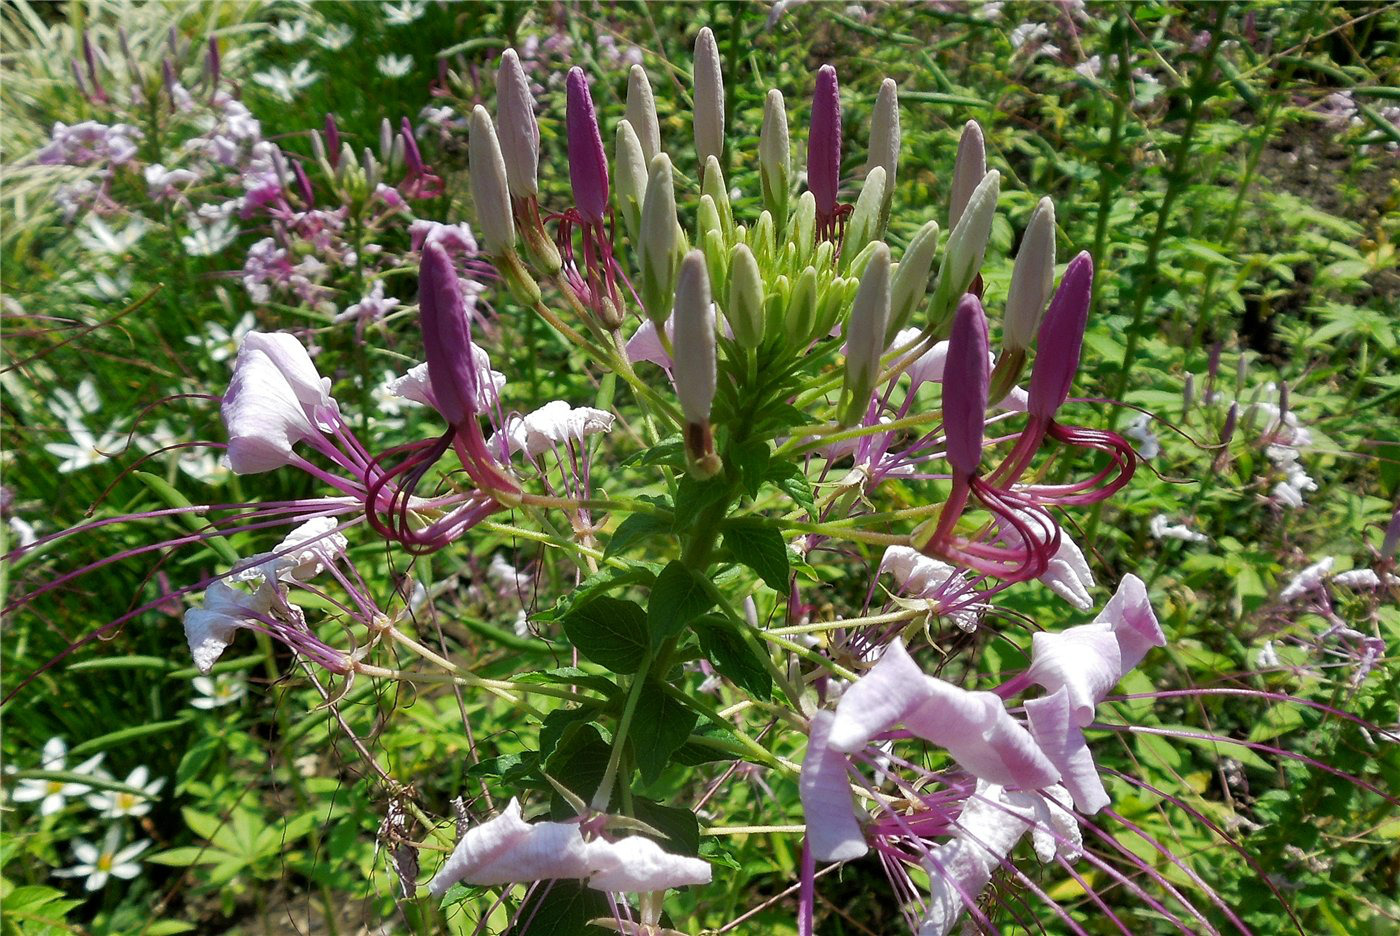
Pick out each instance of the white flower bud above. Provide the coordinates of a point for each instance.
(714, 187)
(911, 279)
(865, 218)
(884, 141)
(709, 98)
(775, 157)
(631, 168)
(865, 338)
(659, 239)
(967, 244)
(694, 340)
(519, 134)
(744, 307)
(641, 112)
(488, 185)
(968, 171)
(1032, 278)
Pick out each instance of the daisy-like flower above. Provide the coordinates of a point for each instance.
(289, 32)
(100, 864)
(85, 450)
(285, 85)
(334, 36)
(75, 405)
(218, 690)
(404, 14)
(97, 237)
(116, 803)
(52, 795)
(220, 343)
(394, 66)
(209, 238)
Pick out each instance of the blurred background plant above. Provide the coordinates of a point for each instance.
(1232, 168)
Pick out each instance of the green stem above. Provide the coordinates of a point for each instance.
(604, 794)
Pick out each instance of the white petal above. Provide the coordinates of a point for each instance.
(1085, 660)
(1134, 623)
(990, 825)
(1055, 729)
(981, 736)
(638, 865)
(1069, 575)
(314, 545)
(833, 831)
(289, 356)
(508, 850)
(263, 416)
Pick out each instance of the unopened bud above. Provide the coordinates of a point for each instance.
(709, 98)
(965, 385)
(1391, 542)
(775, 158)
(1188, 395)
(588, 163)
(371, 169)
(716, 261)
(967, 244)
(744, 309)
(1227, 433)
(1061, 339)
(631, 178)
(865, 338)
(332, 135)
(1032, 278)
(713, 186)
(863, 227)
(446, 335)
(658, 250)
(884, 142)
(488, 185)
(802, 309)
(641, 112)
(518, 131)
(824, 143)
(763, 238)
(1241, 372)
(694, 368)
(803, 229)
(911, 279)
(968, 171)
(318, 151)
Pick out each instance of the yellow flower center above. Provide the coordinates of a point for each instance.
(55, 786)
(104, 862)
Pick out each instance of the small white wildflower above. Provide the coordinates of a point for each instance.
(405, 13)
(285, 85)
(112, 860)
(394, 66)
(1307, 580)
(221, 343)
(334, 36)
(23, 531)
(289, 32)
(1090, 67)
(1140, 431)
(97, 237)
(73, 407)
(107, 288)
(53, 795)
(218, 690)
(86, 449)
(206, 240)
(114, 804)
(1267, 657)
(1161, 527)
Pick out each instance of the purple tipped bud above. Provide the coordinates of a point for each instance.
(588, 161)
(709, 98)
(516, 127)
(1061, 338)
(968, 170)
(447, 337)
(78, 76)
(412, 157)
(966, 381)
(215, 63)
(167, 76)
(308, 194)
(90, 54)
(333, 139)
(1232, 418)
(824, 142)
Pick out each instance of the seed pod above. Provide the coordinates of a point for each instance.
(824, 143)
(1061, 339)
(965, 384)
(588, 163)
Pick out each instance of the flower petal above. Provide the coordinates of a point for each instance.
(638, 865)
(833, 831)
(890, 691)
(1056, 730)
(508, 850)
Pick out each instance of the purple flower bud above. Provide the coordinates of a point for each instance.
(333, 139)
(411, 155)
(1232, 418)
(1061, 338)
(1391, 543)
(167, 76)
(304, 183)
(447, 338)
(588, 162)
(824, 143)
(966, 381)
(215, 63)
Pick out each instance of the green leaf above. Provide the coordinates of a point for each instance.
(678, 824)
(733, 656)
(634, 530)
(662, 724)
(761, 548)
(605, 580)
(751, 458)
(610, 632)
(677, 598)
(561, 908)
(789, 479)
(694, 496)
(579, 761)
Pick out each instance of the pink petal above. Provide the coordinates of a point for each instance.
(981, 736)
(1056, 731)
(1135, 625)
(1084, 660)
(508, 850)
(832, 828)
